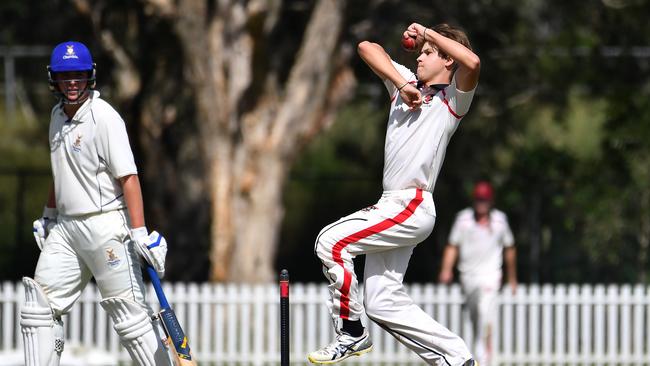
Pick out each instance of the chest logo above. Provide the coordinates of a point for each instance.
(427, 99)
(76, 146)
(369, 208)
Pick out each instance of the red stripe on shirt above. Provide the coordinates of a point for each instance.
(375, 229)
(444, 100)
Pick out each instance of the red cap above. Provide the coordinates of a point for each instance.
(483, 191)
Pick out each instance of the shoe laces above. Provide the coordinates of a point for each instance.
(340, 344)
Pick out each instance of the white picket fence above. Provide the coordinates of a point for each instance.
(238, 324)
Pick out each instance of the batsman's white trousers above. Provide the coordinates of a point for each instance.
(387, 234)
(82, 247)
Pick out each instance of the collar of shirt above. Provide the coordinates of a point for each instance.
(433, 87)
(82, 111)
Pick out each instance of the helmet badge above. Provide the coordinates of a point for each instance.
(69, 52)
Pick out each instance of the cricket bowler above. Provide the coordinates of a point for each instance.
(93, 223)
(426, 108)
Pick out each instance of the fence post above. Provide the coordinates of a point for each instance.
(599, 326)
(102, 325)
(7, 321)
(612, 323)
(559, 330)
(625, 351)
(547, 322)
(507, 329)
(572, 301)
(638, 322)
(520, 325)
(587, 299)
(207, 318)
(533, 321)
(219, 322)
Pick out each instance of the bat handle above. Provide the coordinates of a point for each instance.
(155, 281)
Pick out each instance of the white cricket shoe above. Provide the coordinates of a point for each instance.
(343, 347)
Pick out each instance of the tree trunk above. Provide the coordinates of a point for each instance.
(251, 122)
(257, 217)
(249, 150)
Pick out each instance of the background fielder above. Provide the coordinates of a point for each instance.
(480, 238)
(93, 223)
(425, 111)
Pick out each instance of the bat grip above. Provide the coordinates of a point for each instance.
(155, 281)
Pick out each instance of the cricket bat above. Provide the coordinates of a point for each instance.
(175, 335)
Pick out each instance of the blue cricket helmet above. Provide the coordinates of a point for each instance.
(71, 56)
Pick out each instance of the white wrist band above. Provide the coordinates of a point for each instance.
(139, 232)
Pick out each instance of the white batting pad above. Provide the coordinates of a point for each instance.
(42, 333)
(134, 327)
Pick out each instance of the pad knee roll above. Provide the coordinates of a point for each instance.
(42, 332)
(134, 327)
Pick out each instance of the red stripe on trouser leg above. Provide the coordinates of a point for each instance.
(344, 300)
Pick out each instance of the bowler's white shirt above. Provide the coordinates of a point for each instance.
(480, 247)
(416, 141)
(89, 153)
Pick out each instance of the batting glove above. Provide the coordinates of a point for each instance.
(44, 225)
(152, 247)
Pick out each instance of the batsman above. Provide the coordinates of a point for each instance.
(93, 222)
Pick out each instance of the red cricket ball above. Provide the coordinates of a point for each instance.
(408, 43)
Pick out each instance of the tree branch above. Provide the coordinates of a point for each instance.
(162, 8)
(127, 77)
(306, 88)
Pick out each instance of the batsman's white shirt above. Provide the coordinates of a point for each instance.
(480, 247)
(89, 153)
(416, 141)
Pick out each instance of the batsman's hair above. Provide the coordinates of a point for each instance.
(454, 33)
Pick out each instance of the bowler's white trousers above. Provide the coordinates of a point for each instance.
(387, 234)
(82, 247)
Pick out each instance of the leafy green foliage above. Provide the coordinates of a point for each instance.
(560, 124)
(24, 181)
